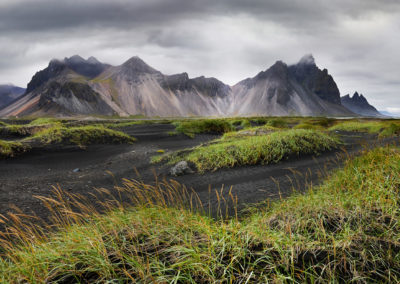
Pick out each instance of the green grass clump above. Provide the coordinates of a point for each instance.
(23, 130)
(383, 128)
(346, 230)
(307, 125)
(252, 131)
(319, 123)
(242, 123)
(83, 135)
(259, 120)
(357, 126)
(10, 149)
(263, 149)
(390, 129)
(277, 122)
(211, 126)
(44, 120)
(121, 123)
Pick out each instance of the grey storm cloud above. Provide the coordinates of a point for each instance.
(358, 41)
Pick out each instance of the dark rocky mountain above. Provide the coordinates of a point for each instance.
(300, 89)
(87, 68)
(315, 80)
(75, 86)
(9, 93)
(359, 105)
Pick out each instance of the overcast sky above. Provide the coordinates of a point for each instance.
(358, 41)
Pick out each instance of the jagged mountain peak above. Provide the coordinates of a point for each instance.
(77, 59)
(137, 65)
(279, 66)
(359, 104)
(93, 60)
(307, 59)
(74, 59)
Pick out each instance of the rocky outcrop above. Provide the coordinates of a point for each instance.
(9, 93)
(359, 104)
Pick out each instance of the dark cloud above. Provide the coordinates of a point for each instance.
(358, 41)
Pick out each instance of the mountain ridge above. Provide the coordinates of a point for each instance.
(78, 86)
(359, 105)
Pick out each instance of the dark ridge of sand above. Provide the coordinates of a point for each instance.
(36, 172)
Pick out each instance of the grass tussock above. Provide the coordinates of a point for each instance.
(251, 131)
(31, 128)
(346, 230)
(9, 149)
(359, 126)
(232, 151)
(83, 135)
(197, 126)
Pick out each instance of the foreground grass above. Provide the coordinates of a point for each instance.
(82, 135)
(346, 230)
(236, 150)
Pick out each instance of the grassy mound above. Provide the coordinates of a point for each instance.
(358, 126)
(346, 230)
(250, 131)
(24, 130)
(10, 149)
(212, 126)
(383, 128)
(84, 135)
(249, 150)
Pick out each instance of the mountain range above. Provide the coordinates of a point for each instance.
(78, 86)
(359, 105)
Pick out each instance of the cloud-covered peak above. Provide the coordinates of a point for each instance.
(307, 59)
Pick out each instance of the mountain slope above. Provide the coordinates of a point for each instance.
(75, 86)
(301, 89)
(9, 93)
(136, 88)
(359, 104)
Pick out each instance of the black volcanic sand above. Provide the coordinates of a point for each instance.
(36, 172)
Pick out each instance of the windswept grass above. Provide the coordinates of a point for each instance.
(252, 131)
(277, 122)
(83, 135)
(264, 149)
(196, 126)
(24, 130)
(346, 230)
(241, 123)
(45, 121)
(383, 128)
(121, 123)
(10, 149)
(358, 126)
